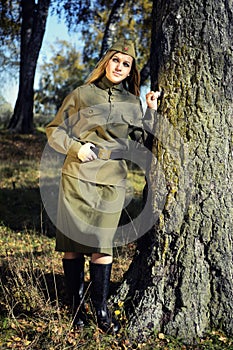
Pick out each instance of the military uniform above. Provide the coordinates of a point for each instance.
(92, 193)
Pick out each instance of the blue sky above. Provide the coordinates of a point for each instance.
(54, 30)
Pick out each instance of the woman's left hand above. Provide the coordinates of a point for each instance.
(152, 99)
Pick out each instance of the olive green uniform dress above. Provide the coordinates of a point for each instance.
(91, 195)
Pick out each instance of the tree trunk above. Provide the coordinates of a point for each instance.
(111, 26)
(34, 18)
(180, 281)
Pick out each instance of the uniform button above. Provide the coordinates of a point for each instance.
(90, 111)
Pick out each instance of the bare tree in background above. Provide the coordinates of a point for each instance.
(34, 17)
(111, 26)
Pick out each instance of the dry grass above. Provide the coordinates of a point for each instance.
(34, 312)
(34, 309)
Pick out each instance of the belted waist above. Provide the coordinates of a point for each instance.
(106, 154)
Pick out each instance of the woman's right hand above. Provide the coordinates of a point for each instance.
(85, 153)
(152, 99)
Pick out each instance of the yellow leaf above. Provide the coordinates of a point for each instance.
(223, 339)
(16, 339)
(161, 336)
(27, 342)
(120, 303)
(13, 325)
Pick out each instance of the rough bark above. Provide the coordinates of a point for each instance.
(34, 16)
(180, 281)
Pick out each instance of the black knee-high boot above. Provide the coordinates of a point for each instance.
(74, 276)
(100, 280)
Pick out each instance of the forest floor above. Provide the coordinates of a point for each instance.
(34, 313)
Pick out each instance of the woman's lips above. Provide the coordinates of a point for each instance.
(117, 74)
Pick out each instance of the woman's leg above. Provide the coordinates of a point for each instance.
(100, 272)
(72, 255)
(73, 266)
(98, 258)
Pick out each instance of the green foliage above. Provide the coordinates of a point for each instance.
(90, 18)
(10, 19)
(59, 76)
(9, 34)
(134, 23)
(5, 112)
(75, 12)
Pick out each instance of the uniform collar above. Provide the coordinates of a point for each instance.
(106, 84)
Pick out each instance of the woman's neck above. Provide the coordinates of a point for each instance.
(104, 83)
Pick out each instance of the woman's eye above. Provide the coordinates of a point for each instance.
(116, 60)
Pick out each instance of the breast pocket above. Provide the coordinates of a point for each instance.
(91, 118)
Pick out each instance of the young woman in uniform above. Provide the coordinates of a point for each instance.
(92, 128)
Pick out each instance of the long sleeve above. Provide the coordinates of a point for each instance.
(149, 120)
(58, 130)
(145, 129)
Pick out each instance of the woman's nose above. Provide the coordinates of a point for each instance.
(118, 66)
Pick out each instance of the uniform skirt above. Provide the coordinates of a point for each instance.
(88, 216)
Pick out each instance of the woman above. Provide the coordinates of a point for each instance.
(92, 128)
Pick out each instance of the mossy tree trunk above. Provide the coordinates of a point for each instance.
(181, 279)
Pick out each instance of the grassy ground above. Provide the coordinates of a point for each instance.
(34, 311)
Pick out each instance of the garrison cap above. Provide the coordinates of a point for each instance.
(124, 46)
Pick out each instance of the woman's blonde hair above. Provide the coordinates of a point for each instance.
(131, 83)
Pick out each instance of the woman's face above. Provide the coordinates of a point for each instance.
(118, 67)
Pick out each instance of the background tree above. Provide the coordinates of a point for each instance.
(63, 73)
(9, 34)
(34, 16)
(110, 21)
(141, 12)
(9, 48)
(111, 26)
(33, 21)
(180, 281)
(92, 18)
